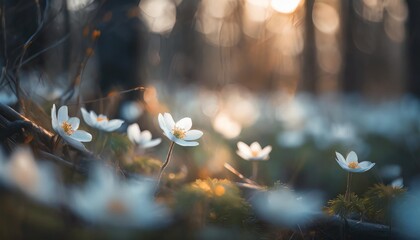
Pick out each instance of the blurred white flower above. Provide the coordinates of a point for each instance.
(101, 122)
(142, 139)
(287, 208)
(107, 200)
(37, 180)
(8, 98)
(397, 183)
(291, 138)
(351, 163)
(406, 212)
(254, 152)
(131, 111)
(179, 132)
(67, 128)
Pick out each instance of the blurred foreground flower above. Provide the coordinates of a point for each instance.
(67, 128)
(406, 212)
(36, 180)
(254, 152)
(286, 208)
(143, 139)
(107, 200)
(8, 98)
(351, 163)
(179, 132)
(101, 122)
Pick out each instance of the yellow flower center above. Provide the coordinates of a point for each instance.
(254, 153)
(100, 119)
(178, 132)
(68, 129)
(353, 165)
(116, 207)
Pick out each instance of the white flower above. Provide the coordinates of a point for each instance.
(352, 164)
(101, 122)
(141, 138)
(67, 128)
(253, 152)
(287, 208)
(179, 132)
(8, 98)
(397, 183)
(105, 199)
(37, 180)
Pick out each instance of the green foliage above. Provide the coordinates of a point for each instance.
(212, 200)
(119, 144)
(378, 201)
(144, 165)
(354, 206)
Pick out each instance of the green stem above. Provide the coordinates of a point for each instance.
(347, 195)
(254, 170)
(165, 164)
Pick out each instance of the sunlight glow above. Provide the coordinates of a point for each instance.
(285, 6)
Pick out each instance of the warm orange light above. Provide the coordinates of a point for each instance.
(285, 6)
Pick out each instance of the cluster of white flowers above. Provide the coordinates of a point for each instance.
(104, 199)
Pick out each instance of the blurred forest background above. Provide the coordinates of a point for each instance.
(371, 47)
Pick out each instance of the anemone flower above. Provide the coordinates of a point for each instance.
(351, 163)
(179, 132)
(254, 152)
(67, 128)
(107, 200)
(36, 180)
(143, 139)
(101, 121)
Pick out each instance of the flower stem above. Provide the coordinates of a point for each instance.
(254, 170)
(347, 195)
(165, 164)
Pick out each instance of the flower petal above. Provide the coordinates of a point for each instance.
(54, 118)
(193, 135)
(265, 152)
(340, 158)
(74, 122)
(366, 165)
(162, 123)
(146, 135)
(113, 125)
(255, 147)
(185, 143)
(74, 143)
(342, 165)
(243, 155)
(87, 117)
(185, 123)
(170, 123)
(81, 136)
(152, 143)
(63, 114)
(133, 133)
(352, 157)
(245, 149)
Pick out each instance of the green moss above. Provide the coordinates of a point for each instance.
(353, 207)
(213, 201)
(378, 201)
